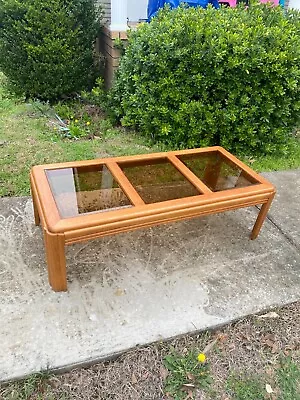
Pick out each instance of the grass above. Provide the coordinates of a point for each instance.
(288, 378)
(27, 138)
(243, 388)
(36, 387)
(285, 383)
(290, 159)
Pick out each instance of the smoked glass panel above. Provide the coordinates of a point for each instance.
(157, 180)
(85, 190)
(216, 171)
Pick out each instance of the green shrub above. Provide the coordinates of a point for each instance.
(47, 47)
(229, 77)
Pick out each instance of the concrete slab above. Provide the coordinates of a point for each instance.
(133, 288)
(285, 211)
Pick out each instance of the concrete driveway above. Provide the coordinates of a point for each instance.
(144, 286)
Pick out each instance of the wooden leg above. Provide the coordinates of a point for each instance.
(35, 209)
(56, 260)
(261, 217)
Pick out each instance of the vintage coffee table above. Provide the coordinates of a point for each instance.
(77, 201)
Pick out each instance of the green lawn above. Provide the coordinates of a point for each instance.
(27, 139)
(289, 160)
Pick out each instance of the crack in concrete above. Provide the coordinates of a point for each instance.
(287, 237)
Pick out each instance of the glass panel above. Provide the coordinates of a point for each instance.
(85, 190)
(158, 180)
(216, 171)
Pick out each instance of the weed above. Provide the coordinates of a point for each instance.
(245, 388)
(39, 108)
(186, 374)
(97, 95)
(105, 127)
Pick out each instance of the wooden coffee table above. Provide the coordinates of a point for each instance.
(82, 200)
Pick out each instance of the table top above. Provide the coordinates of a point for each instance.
(94, 191)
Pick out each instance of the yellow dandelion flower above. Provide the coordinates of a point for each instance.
(76, 120)
(88, 123)
(201, 357)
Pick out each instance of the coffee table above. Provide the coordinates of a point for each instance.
(82, 200)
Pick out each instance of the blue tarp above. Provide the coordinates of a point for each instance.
(155, 5)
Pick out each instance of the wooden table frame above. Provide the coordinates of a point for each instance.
(59, 232)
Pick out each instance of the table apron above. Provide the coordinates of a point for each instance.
(94, 232)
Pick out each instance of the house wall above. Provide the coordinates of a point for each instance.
(294, 4)
(137, 10)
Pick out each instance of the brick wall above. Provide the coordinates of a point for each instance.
(110, 52)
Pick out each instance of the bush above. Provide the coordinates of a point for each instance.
(229, 77)
(47, 47)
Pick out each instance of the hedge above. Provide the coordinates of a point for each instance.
(47, 47)
(229, 77)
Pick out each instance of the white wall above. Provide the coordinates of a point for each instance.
(137, 9)
(294, 4)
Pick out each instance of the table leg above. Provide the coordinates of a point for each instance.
(261, 217)
(35, 209)
(56, 261)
